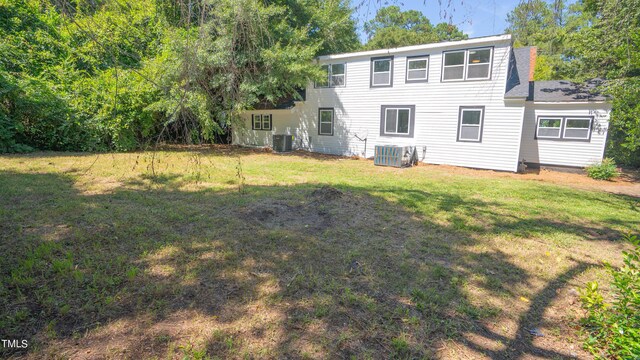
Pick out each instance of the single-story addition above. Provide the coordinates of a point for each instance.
(468, 103)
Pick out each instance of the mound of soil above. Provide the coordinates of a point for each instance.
(310, 216)
(327, 193)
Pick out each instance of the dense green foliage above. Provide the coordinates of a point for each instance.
(585, 40)
(614, 328)
(606, 170)
(392, 27)
(87, 75)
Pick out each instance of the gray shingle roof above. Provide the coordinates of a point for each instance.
(565, 91)
(518, 76)
(519, 86)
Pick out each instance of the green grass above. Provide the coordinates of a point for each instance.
(192, 257)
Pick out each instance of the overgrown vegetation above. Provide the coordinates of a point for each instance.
(85, 75)
(614, 326)
(586, 40)
(606, 170)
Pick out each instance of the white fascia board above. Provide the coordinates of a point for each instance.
(487, 40)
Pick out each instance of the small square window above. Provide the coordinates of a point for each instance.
(261, 122)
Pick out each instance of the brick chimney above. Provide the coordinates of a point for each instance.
(533, 54)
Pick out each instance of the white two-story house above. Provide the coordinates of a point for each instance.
(467, 103)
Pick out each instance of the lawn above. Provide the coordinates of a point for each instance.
(228, 253)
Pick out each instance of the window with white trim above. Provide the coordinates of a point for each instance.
(396, 121)
(417, 68)
(470, 64)
(453, 68)
(577, 128)
(334, 75)
(470, 124)
(382, 71)
(549, 128)
(261, 122)
(325, 121)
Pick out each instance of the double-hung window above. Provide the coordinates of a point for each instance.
(397, 120)
(325, 121)
(382, 71)
(564, 128)
(479, 64)
(471, 64)
(417, 68)
(261, 122)
(333, 75)
(453, 68)
(470, 123)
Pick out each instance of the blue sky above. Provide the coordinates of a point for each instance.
(474, 17)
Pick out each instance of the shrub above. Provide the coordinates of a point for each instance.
(614, 328)
(606, 170)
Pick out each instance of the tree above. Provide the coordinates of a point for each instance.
(610, 49)
(392, 27)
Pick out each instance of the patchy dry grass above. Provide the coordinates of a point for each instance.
(318, 257)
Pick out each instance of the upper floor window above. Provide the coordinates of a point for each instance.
(417, 68)
(472, 64)
(382, 71)
(334, 75)
(261, 122)
(470, 123)
(564, 128)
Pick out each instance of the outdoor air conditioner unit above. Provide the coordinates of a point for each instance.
(282, 143)
(397, 156)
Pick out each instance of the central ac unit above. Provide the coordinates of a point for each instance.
(397, 156)
(282, 143)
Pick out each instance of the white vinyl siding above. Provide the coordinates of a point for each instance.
(358, 106)
(565, 151)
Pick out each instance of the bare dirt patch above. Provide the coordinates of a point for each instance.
(626, 184)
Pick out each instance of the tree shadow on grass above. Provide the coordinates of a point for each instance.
(282, 271)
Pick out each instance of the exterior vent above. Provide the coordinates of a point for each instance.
(397, 156)
(282, 143)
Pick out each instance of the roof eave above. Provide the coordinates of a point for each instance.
(473, 41)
